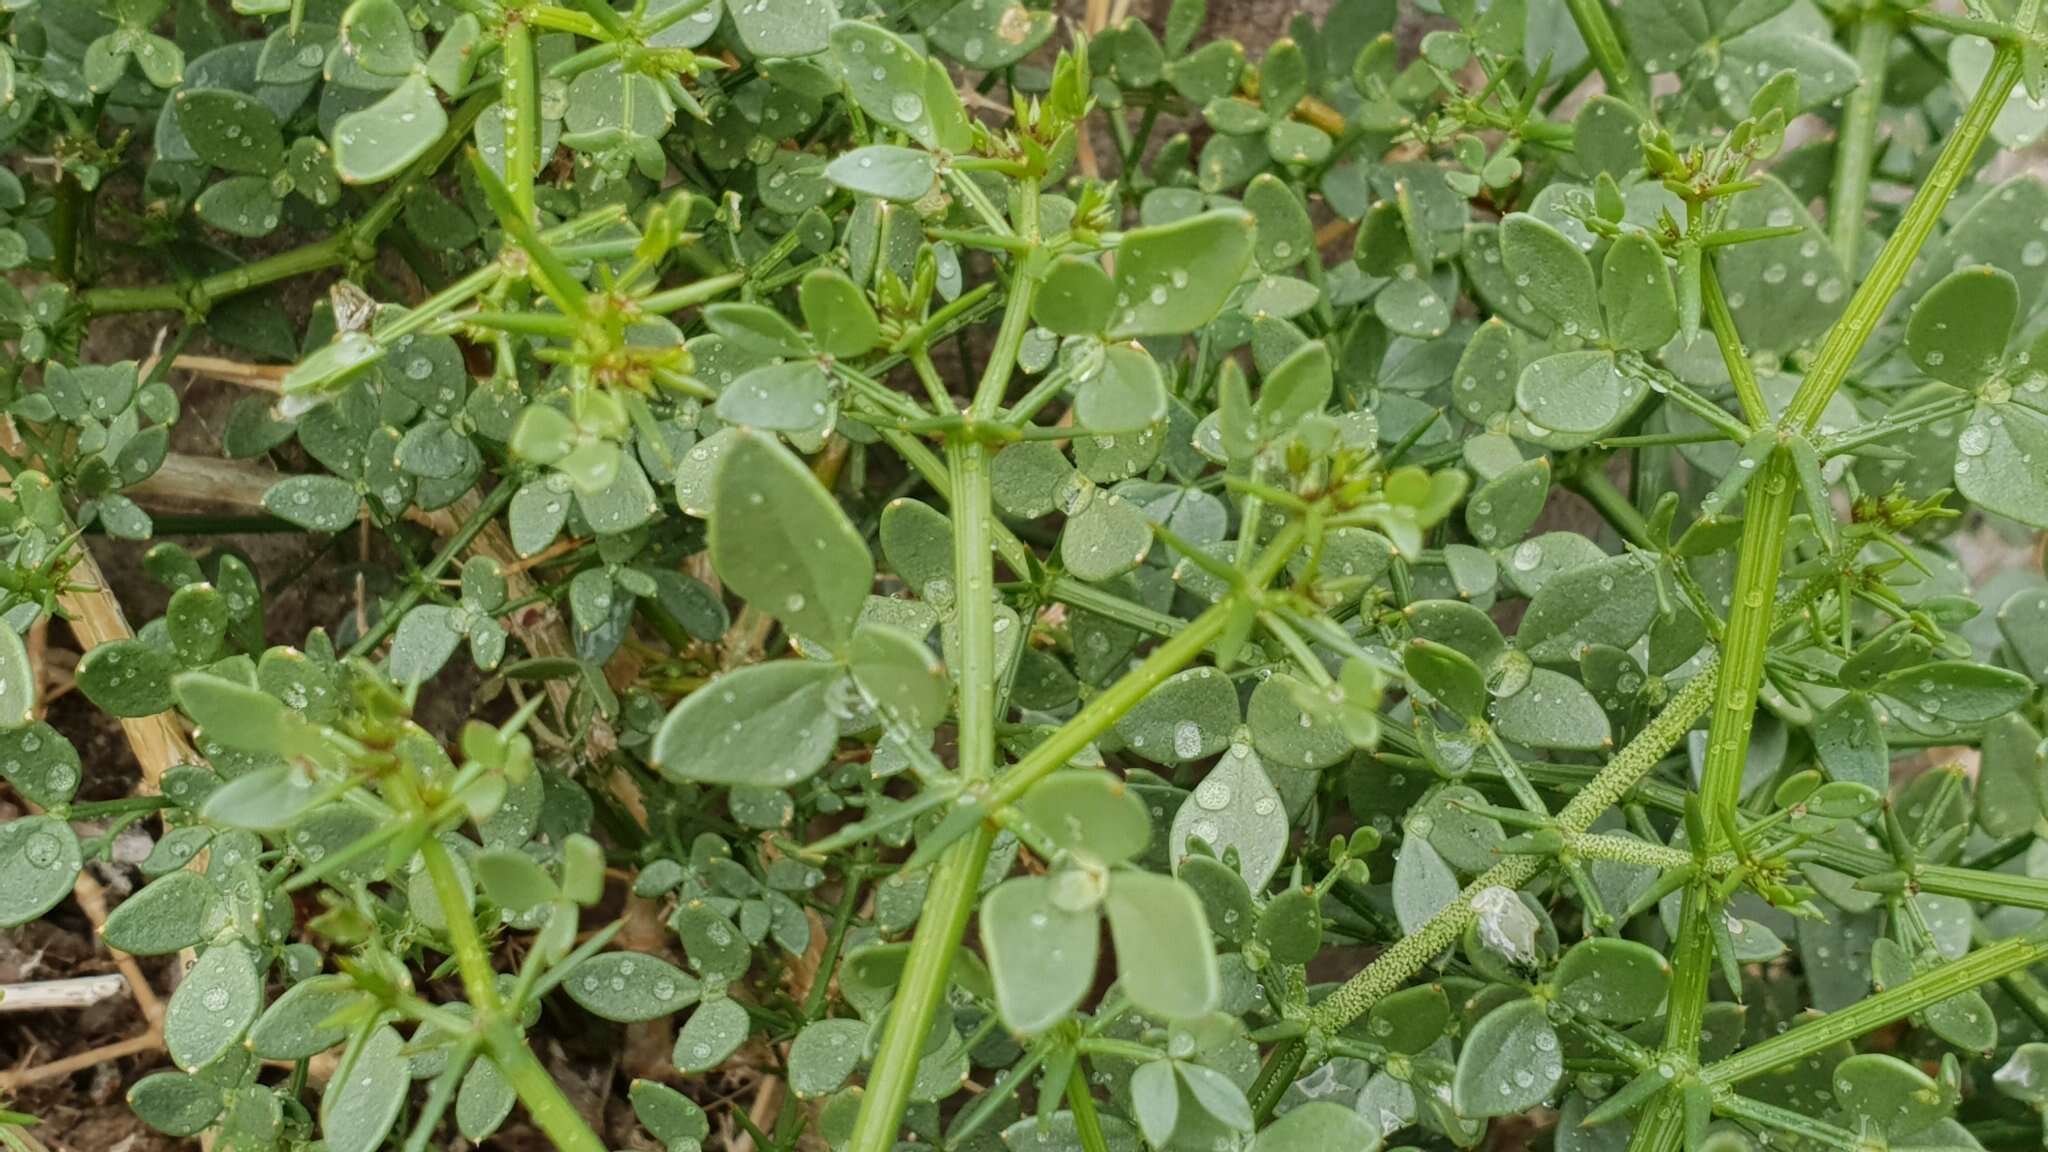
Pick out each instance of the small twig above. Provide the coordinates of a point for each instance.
(58, 1069)
(47, 995)
(262, 377)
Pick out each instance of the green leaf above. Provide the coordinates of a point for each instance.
(238, 716)
(2024, 1076)
(1285, 237)
(713, 1032)
(1075, 298)
(40, 763)
(1604, 136)
(1504, 508)
(1423, 884)
(1616, 981)
(1553, 711)
(168, 915)
(1889, 1094)
(377, 37)
(1447, 675)
(1288, 735)
(297, 1025)
(315, 503)
(39, 862)
(2023, 621)
(885, 171)
(1957, 691)
(213, 1006)
(1637, 294)
(1511, 1062)
(886, 77)
(779, 539)
(1582, 393)
(1041, 955)
(1187, 717)
(1410, 1020)
(1958, 330)
(1155, 1100)
(484, 1100)
(1126, 395)
(1611, 602)
(2009, 776)
(513, 880)
(629, 987)
(265, 799)
(1553, 272)
(1105, 535)
(175, 1104)
(1235, 808)
(756, 329)
(17, 684)
(230, 130)
(823, 1055)
(1849, 740)
(787, 397)
(838, 314)
(376, 143)
(1091, 814)
(1166, 960)
(426, 637)
(363, 1099)
(990, 36)
(1175, 277)
(1785, 291)
(1297, 388)
(1319, 1126)
(1291, 927)
(784, 27)
(668, 1115)
(127, 678)
(766, 724)
(1998, 456)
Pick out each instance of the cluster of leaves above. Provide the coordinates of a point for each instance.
(1443, 551)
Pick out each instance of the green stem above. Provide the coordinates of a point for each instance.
(545, 1102)
(477, 522)
(1856, 139)
(1087, 1125)
(1896, 1003)
(200, 295)
(64, 226)
(956, 880)
(1596, 28)
(1392, 969)
(949, 900)
(1771, 498)
(1596, 489)
(522, 129)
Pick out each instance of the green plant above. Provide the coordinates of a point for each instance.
(907, 504)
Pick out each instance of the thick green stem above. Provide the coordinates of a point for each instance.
(522, 129)
(956, 880)
(545, 1102)
(1771, 498)
(1596, 28)
(948, 902)
(1856, 138)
